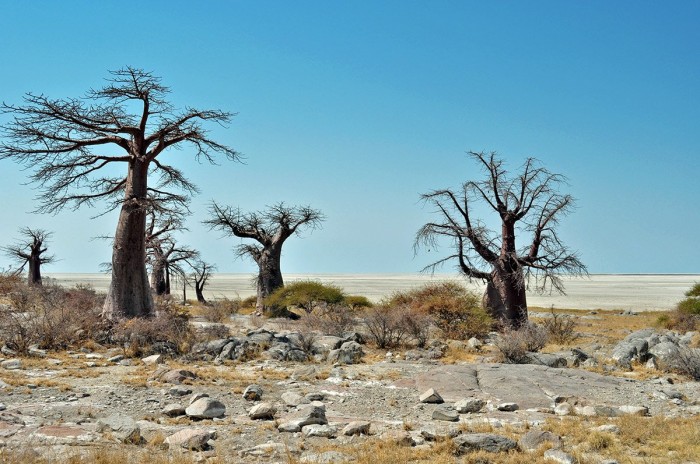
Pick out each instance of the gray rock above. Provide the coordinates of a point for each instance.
(535, 438)
(179, 390)
(191, 439)
(314, 413)
(294, 399)
(329, 457)
(508, 407)
(212, 347)
(315, 396)
(563, 409)
(253, 392)
(175, 376)
(295, 355)
(319, 430)
(116, 359)
(123, 428)
(356, 428)
(432, 432)
(267, 450)
(469, 405)
(634, 410)
(11, 364)
(399, 437)
(228, 349)
(173, 410)
(264, 411)
(608, 428)
(559, 457)
(474, 343)
(205, 408)
(483, 441)
(445, 413)
(322, 345)
(349, 353)
(545, 359)
(153, 359)
(197, 396)
(665, 353)
(430, 396)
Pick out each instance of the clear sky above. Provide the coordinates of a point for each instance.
(357, 107)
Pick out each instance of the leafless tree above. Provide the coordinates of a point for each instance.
(72, 145)
(201, 272)
(529, 203)
(270, 229)
(29, 250)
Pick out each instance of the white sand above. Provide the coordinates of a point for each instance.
(601, 291)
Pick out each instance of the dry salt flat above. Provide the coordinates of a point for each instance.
(634, 292)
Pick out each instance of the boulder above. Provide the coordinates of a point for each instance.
(399, 437)
(153, 359)
(508, 407)
(175, 376)
(253, 392)
(123, 428)
(634, 410)
(212, 347)
(262, 411)
(314, 413)
(665, 353)
(173, 410)
(431, 396)
(535, 438)
(205, 408)
(356, 428)
(469, 405)
(559, 457)
(445, 413)
(191, 439)
(328, 457)
(319, 430)
(11, 364)
(349, 353)
(545, 359)
(483, 441)
(294, 399)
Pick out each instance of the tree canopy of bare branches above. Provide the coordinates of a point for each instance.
(30, 250)
(71, 145)
(528, 204)
(270, 229)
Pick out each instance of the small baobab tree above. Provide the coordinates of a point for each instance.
(74, 144)
(270, 229)
(527, 204)
(30, 251)
(201, 272)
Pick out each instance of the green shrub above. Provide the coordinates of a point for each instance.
(686, 316)
(455, 310)
(305, 294)
(357, 302)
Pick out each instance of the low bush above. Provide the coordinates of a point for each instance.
(686, 362)
(333, 320)
(221, 310)
(455, 310)
(305, 294)
(686, 316)
(514, 345)
(561, 327)
(385, 325)
(357, 302)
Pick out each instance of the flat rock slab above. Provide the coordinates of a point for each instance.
(531, 386)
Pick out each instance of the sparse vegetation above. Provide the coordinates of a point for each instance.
(305, 294)
(561, 327)
(514, 345)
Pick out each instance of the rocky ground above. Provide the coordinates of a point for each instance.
(259, 397)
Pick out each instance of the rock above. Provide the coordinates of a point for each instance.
(399, 437)
(545, 359)
(191, 439)
(431, 432)
(268, 450)
(329, 457)
(123, 428)
(634, 347)
(356, 428)
(563, 409)
(295, 355)
(212, 347)
(36, 351)
(264, 411)
(294, 399)
(179, 391)
(176, 376)
(609, 428)
(474, 343)
(469, 405)
(323, 345)
(508, 407)
(197, 396)
(559, 456)
(205, 408)
(665, 353)
(227, 350)
(319, 430)
(173, 410)
(483, 441)
(445, 413)
(535, 438)
(349, 353)
(634, 410)
(253, 392)
(11, 364)
(153, 359)
(314, 413)
(431, 396)
(315, 396)
(304, 373)
(116, 359)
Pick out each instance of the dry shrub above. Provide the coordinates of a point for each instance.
(333, 320)
(514, 345)
(221, 310)
(212, 332)
(50, 317)
(679, 320)
(418, 325)
(8, 282)
(385, 325)
(455, 310)
(561, 327)
(686, 362)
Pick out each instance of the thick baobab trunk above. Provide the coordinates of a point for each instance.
(34, 275)
(270, 274)
(510, 286)
(198, 288)
(492, 302)
(129, 294)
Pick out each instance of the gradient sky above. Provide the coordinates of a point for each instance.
(357, 107)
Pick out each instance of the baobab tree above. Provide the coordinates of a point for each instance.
(270, 229)
(201, 272)
(30, 251)
(527, 204)
(74, 144)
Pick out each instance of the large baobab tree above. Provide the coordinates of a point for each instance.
(270, 229)
(74, 144)
(527, 204)
(30, 250)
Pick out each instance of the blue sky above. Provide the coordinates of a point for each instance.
(358, 107)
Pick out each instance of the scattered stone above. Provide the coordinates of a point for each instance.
(431, 396)
(609, 428)
(175, 376)
(535, 438)
(432, 433)
(173, 410)
(634, 410)
(319, 430)
(94, 356)
(349, 353)
(445, 413)
(153, 359)
(483, 441)
(253, 392)
(315, 396)
(191, 439)
(329, 457)
(11, 364)
(197, 396)
(116, 359)
(267, 449)
(545, 359)
(294, 399)
(122, 428)
(205, 408)
(179, 391)
(508, 407)
(262, 411)
(314, 413)
(399, 437)
(469, 405)
(356, 428)
(474, 343)
(559, 456)
(563, 409)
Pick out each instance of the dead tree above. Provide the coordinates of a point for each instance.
(73, 144)
(529, 204)
(201, 272)
(30, 251)
(270, 228)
